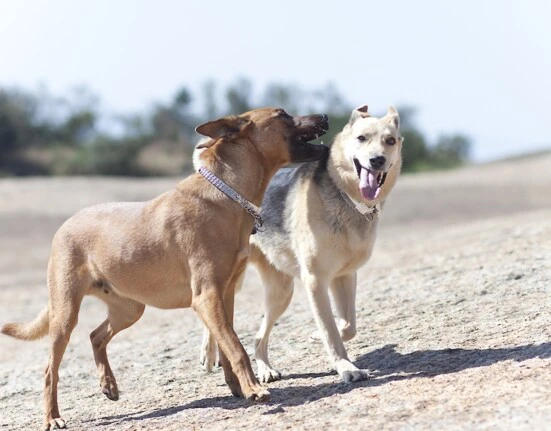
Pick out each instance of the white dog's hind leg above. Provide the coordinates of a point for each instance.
(318, 296)
(209, 351)
(278, 291)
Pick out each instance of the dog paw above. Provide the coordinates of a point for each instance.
(315, 336)
(111, 392)
(355, 376)
(209, 358)
(110, 389)
(350, 373)
(236, 392)
(54, 424)
(260, 395)
(209, 365)
(346, 335)
(267, 374)
(347, 332)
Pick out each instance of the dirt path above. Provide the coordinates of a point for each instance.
(454, 316)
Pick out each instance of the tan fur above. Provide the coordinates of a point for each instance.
(323, 257)
(324, 260)
(34, 330)
(186, 248)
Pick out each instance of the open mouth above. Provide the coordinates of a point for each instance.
(370, 181)
(307, 137)
(310, 135)
(310, 128)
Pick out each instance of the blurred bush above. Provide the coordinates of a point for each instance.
(41, 134)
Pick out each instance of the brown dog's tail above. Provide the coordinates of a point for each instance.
(34, 330)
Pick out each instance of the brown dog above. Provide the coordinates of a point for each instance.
(187, 247)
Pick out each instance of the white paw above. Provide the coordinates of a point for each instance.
(346, 333)
(315, 336)
(355, 376)
(267, 374)
(209, 357)
(350, 373)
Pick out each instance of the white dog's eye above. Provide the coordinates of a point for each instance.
(390, 141)
(361, 138)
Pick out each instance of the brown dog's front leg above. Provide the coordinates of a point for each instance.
(235, 361)
(229, 375)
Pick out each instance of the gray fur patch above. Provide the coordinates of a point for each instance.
(279, 200)
(275, 199)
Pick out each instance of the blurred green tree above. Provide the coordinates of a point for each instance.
(19, 130)
(40, 133)
(238, 96)
(174, 122)
(78, 128)
(451, 150)
(415, 152)
(283, 96)
(209, 95)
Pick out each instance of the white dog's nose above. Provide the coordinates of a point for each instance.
(377, 162)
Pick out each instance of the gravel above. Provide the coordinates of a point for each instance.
(453, 316)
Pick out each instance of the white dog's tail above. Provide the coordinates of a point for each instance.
(34, 330)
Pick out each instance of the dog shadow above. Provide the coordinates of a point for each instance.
(388, 365)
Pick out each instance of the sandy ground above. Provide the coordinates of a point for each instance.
(453, 316)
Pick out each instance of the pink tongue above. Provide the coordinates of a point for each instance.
(368, 184)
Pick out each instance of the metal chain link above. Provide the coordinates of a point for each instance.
(251, 208)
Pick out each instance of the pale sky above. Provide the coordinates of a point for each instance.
(476, 67)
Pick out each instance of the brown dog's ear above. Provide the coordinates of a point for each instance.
(360, 112)
(228, 127)
(393, 117)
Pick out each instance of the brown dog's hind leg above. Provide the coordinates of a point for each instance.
(60, 332)
(122, 313)
(65, 300)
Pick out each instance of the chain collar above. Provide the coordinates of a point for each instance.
(251, 208)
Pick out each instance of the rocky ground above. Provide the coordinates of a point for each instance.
(454, 317)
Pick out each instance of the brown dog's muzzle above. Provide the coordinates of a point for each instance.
(308, 128)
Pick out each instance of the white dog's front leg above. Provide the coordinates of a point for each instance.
(318, 296)
(209, 351)
(344, 293)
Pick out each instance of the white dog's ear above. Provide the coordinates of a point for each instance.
(228, 128)
(360, 112)
(393, 116)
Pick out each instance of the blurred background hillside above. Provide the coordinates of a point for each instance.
(45, 134)
(117, 88)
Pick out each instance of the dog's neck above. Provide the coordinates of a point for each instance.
(240, 166)
(343, 173)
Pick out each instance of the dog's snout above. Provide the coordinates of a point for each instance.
(377, 162)
(322, 122)
(325, 121)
